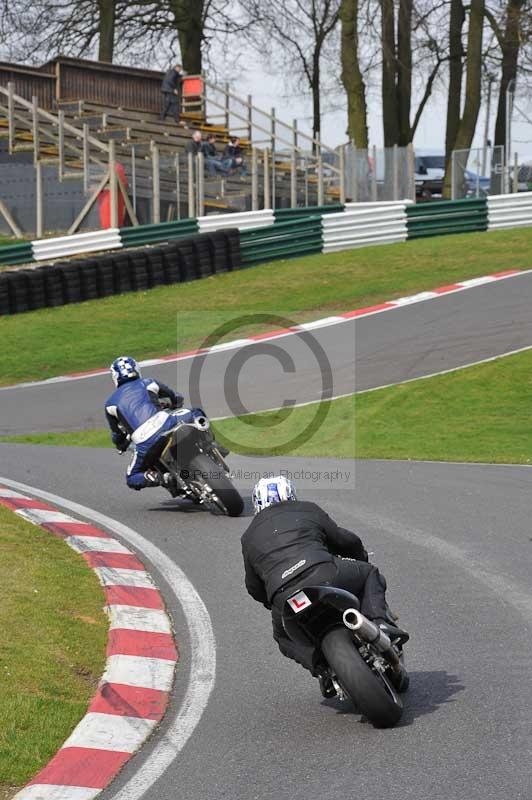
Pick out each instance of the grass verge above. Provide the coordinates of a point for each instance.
(172, 318)
(477, 414)
(52, 651)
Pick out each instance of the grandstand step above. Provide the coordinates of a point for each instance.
(23, 148)
(106, 134)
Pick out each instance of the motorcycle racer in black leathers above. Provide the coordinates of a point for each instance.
(291, 543)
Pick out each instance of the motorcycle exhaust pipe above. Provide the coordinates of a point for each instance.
(371, 633)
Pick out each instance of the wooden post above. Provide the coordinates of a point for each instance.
(177, 188)
(293, 166)
(134, 177)
(4, 212)
(374, 175)
(273, 158)
(516, 173)
(35, 128)
(201, 184)
(354, 174)
(227, 107)
(191, 204)
(61, 145)
(266, 182)
(321, 198)
(86, 147)
(156, 186)
(411, 171)
(39, 228)
(250, 118)
(89, 204)
(113, 184)
(341, 165)
(293, 180)
(254, 180)
(306, 181)
(395, 169)
(127, 202)
(11, 115)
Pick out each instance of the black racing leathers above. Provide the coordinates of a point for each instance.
(295, 543)
(286, 539)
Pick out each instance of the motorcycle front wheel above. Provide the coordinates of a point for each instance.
(371, 691)
(223, 494)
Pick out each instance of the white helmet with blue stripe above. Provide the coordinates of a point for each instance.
(124, 368)
(269, 491)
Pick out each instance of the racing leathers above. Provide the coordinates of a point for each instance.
(295, 543)
(134, 414)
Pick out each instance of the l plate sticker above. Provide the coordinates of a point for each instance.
(298, 602)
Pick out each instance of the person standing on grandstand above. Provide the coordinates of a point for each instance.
(171, 92)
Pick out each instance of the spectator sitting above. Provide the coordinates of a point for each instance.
(171, 92)
(233, 156)
(195, 144)
(213, 162)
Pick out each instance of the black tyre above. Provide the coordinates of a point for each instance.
(155, 267)
(371, 692)
(4, 296)
(226, 498)
(232, 237)
(88, 275)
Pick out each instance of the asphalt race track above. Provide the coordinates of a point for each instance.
(397, 345)
(454, 542)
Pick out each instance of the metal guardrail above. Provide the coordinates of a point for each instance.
(509, 211)
(447, 217)
(282, 240)
(357, 228)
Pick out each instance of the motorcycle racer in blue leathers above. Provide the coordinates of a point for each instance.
(134, 413)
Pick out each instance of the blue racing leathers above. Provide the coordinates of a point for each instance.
(133, 413)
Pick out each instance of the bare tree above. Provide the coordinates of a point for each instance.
(295, 34)
(509, 35)
(406, 31)
(465, 129)
(352, 78)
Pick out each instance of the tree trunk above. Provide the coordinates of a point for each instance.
(357, 116)
(454, 94)
(389, 92)
(510, 56)
(189, 22)
(404, 71)
(468, 122)
(107, 14)
(316, 94)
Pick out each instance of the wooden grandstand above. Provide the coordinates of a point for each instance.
(86, 117)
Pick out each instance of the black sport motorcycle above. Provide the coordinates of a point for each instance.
(362, 662)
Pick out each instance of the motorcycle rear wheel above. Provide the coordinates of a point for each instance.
(229, 499)
(371, 692)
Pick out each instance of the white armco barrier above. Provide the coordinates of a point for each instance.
(510, 211)
(45, 249)
(373, 223)
(242, 221)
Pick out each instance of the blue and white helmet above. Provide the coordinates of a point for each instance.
(269, 491)
(124, 368)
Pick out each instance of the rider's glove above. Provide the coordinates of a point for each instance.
(121, 442)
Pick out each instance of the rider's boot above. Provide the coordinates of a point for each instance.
(152, 478)
(170, 483)
(326, 686)
(397, 635)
